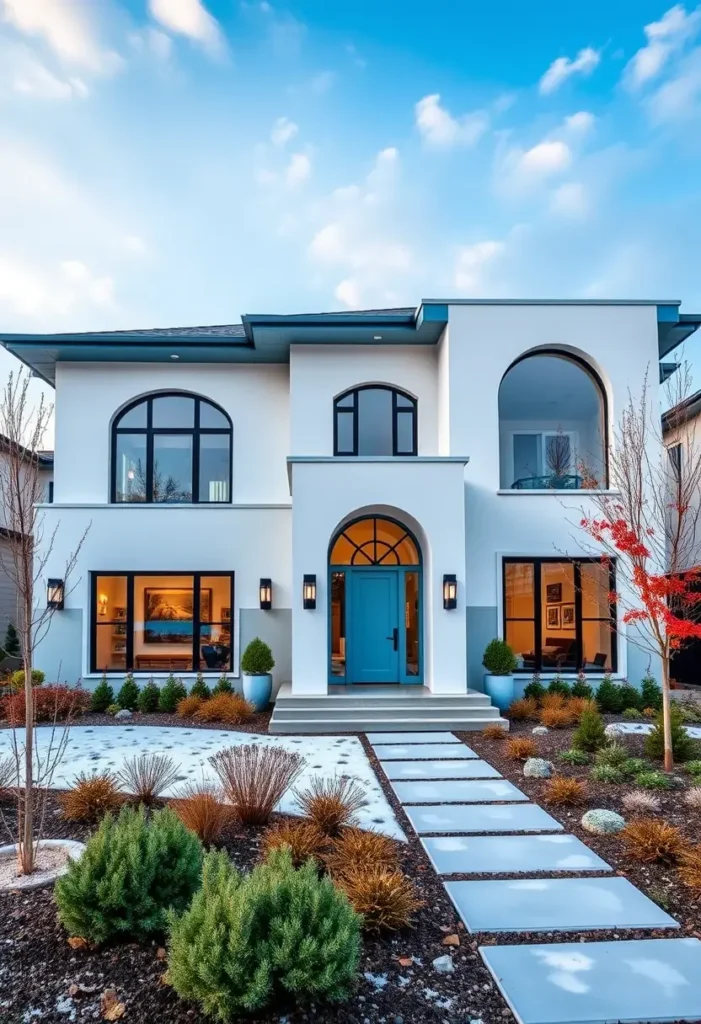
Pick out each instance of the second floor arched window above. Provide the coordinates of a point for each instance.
(375, 420)
(172, 448)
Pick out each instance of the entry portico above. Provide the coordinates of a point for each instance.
(378, 534)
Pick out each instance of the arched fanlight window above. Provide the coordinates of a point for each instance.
(552, 424)
(171, 448)
(374, 541)
(375, 420)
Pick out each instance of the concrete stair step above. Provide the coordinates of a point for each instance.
(370, 713)
(363, 724)
(418, 705)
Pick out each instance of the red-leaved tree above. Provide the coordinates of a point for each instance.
(650, 526)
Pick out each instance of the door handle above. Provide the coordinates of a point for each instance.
(394, 638)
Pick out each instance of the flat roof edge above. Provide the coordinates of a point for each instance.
(554, 302)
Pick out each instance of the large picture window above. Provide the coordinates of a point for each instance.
(375, 420)
(558, 616)
(171, 449)
(145, 622)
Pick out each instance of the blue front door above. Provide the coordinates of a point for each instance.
(373, 646)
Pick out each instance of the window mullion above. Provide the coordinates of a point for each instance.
(537, 610)
(579, 632)
(130, 622)
(196, 614)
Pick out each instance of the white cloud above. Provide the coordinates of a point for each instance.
(298, 169)
(31, 292)
(29, 77)
(471, 264)
(283, 130)
(570, 201)
(135, 245)
(665, 37)
(678, 98)
(440, 129)
(348, 293)
(322, 82)
(563, 68)
(544, 159)
(67, 26)
(580, 123)
(189, 18)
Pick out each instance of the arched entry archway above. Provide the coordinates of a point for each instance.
(375, 611)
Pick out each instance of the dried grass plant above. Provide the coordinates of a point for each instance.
(494, 732)
(692, 798)
(255, 777)
(386, 899)
(650, 840)
(331, 803)
(201, 808)
(303, 839)
(355, 849)
(690, 867)
(91, 797)
(148, 775)
(229, 708)
(640, 802)
(563, 791)
(523, 709)
(520, 748)
(187, 707)
(556, 717)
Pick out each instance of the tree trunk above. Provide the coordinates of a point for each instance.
(666, 718)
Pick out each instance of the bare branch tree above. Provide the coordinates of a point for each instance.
(23, 428)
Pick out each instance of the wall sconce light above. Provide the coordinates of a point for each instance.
(309, 591)
(102, 605)
(266, 594)
(55, 590)
(450, 591)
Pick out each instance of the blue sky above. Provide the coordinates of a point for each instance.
(173, 162)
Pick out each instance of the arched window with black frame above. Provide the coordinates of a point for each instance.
(375, 420)
(171, 448)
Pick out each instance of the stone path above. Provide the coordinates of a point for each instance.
(471, 821)
(106, 748)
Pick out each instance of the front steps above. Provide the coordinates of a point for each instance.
(382, 709)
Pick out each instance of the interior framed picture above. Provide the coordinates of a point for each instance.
(568, 616)
(169, 614)
(553, 593)
(226, 614)
(553, 616)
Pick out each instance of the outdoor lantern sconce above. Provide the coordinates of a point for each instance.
(309, 591)
(55, 590)
(266, 594)
(450, 592)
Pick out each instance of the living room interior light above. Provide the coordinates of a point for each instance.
(55, 590)
(266, 594)
(309, 591)
(450, 591)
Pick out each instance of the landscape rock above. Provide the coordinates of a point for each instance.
(538, 768)
(614, 729)
(602, 822)
(123, 714)
(540, 730)
(444, 964)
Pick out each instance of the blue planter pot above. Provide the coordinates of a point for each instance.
(520, 684)
(500, 689)
(258, 690)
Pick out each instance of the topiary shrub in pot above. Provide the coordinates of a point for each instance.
(500, 662)
(257, 663)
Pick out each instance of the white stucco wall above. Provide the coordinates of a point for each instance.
(318, 374)
(89, 394)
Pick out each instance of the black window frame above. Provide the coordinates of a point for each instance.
(129, 621)
(195, 432)
(674, 453)
(352, 410)
(537, 619)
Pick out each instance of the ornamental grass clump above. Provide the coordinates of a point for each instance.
(202, 810)
(148, 775)
(255, 777)
(578, 705)
(556, 717)
(653, 779)
(128, 696)
(148, 698)
(607, 773)
(684, 748)
(331, 804)
(134, 870)
(642, 803)
(8, 777)
(652, 841)
(171, 693)
(494, 732)
(91, 797)
(188, 706)
(385, 898)
(520, 748)
(590, 734)
(277, 933)
(692, 798)
(690, 867)
(228, 708)
(614, 755)
(356, 849)
(574, 756)
(523, 709)
(302, 838)
(562, 791)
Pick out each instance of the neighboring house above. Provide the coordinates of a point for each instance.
(9, 611)
(377, 494)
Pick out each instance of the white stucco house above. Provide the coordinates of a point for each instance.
(377, 494)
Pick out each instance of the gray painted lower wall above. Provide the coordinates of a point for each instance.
(275, 627)
(481, 628)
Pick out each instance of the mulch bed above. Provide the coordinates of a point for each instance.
(658, 881)
(38, 967)
(259, 722)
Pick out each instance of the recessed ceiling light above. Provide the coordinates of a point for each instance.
(174, 356)
(377, 337)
